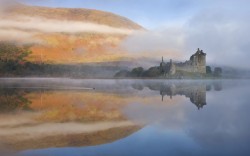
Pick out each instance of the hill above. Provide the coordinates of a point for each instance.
(67, 35)
(73, 14)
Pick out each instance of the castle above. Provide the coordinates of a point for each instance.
(196, 64)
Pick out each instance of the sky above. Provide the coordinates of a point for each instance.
(151, 14)
(219, 27)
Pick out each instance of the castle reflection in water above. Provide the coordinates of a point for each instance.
(196, 92)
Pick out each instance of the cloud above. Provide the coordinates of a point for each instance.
(25, 29)
(220, 28)
(168, 41)
(56, 26)
(21, 37)
(221, 33)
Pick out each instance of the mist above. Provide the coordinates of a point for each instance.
(220, 33)
(168, 42)
(20, 37)
(57, 26)
(40, 130)
(25, 29)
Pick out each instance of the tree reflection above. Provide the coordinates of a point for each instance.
(13, 100)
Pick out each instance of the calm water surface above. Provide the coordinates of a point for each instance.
(65, 117)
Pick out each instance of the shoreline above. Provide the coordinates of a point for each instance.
(100, 78)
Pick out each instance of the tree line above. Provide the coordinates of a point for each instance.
(13, 62)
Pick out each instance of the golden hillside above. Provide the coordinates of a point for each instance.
(67, 35)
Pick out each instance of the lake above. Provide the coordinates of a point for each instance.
(67, 117)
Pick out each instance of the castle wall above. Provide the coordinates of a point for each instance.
(191, 69)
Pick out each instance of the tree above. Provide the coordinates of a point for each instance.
(13, 100)
(137, 72)
(208, 70)
(12, 57)
(152, 72)
(10, 52)
(123, 73)
(217, 71)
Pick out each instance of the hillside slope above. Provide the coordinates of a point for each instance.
(67, 35)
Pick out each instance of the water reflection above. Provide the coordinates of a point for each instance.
(34, 116)
(195, 91)
(124, 117)
(13, 100)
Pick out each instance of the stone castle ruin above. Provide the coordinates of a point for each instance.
(196, 64)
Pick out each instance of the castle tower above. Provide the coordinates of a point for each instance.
(163, 67)
(198, 61)
(172, 69)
